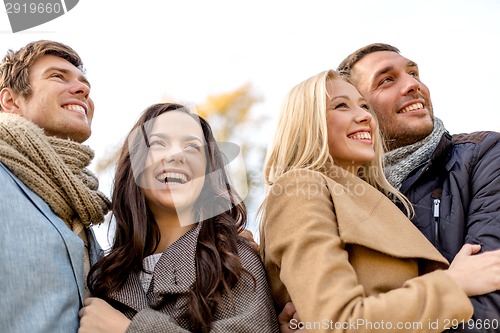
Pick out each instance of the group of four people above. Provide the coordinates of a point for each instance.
(337, 239)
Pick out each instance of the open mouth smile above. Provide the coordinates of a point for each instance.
(172, 178)
(412, 107)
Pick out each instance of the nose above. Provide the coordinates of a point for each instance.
(363, 116)
(80, 88)
(175, 157)
(411, 85)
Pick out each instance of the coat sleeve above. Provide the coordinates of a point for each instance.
(483, 226)
(302, 240)
(253, 310)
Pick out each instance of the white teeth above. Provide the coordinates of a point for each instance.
(361, 136)
(74, 107)
(413, 107)
(172, 175)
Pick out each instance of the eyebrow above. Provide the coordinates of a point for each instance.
(411, 64)
(341, 96)
(81, 78)
(391, 67)
(185, 138)
(382, 71)
(346, 97)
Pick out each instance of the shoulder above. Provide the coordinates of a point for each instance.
(5, 172)
(10, 184)
(475, 137)
(479, 142)
(302, 173)
(250, 260)
(471, 148)
(298, 182)
(293, 198)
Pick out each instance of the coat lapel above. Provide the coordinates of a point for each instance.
(73, 243)
(367, 217)
(132, 294)
(174, 274)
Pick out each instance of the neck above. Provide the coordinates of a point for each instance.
(351, 168)
(172, 227)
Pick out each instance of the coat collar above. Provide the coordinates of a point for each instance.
(436, 160)
(174, 273)
(366, 217)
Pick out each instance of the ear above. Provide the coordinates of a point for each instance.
(8, 101)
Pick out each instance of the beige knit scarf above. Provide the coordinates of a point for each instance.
(55, 169)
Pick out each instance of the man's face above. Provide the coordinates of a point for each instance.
(391, 85)
(59, 101)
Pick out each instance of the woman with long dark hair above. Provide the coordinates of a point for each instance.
(177, 263)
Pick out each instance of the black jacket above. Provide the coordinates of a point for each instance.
(456, 197)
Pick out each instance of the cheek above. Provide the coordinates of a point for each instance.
(334, 143)
(379, 104)
(332, 129)
(153, 158)
(90, 113)
(197, 164)
(374, 123)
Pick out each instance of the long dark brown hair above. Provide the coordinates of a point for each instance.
(137, 234)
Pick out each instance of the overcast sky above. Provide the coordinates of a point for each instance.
(137, 52)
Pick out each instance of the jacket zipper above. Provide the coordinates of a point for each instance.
(436, 196)
(437, 202)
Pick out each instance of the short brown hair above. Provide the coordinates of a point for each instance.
(346, 65)
(15, 66)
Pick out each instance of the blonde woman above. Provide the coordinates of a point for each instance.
(331, 240)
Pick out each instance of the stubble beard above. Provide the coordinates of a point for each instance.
(404, 136)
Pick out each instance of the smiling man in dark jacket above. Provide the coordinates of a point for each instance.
(453, 181)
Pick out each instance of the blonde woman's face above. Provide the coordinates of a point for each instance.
(351, 126)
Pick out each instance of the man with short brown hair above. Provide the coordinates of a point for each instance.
(49, 199)
(453, 181)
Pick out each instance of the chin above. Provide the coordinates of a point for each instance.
(423, 130)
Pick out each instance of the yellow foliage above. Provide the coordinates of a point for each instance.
(237, 100)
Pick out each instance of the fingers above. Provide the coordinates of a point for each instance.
(468, 250)
(88, 301)
(287, 313)
(476, 274)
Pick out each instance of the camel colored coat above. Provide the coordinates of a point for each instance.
(351, 261)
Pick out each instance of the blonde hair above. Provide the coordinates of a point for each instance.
(301, 139)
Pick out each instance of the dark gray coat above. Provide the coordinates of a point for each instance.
(456, 196)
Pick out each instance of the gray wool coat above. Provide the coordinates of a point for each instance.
(164, 308)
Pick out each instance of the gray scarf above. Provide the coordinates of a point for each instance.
(401, 161)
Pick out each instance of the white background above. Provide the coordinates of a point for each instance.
(137, 52)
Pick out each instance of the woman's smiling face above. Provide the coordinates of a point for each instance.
(175, 167)
(351, 126)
